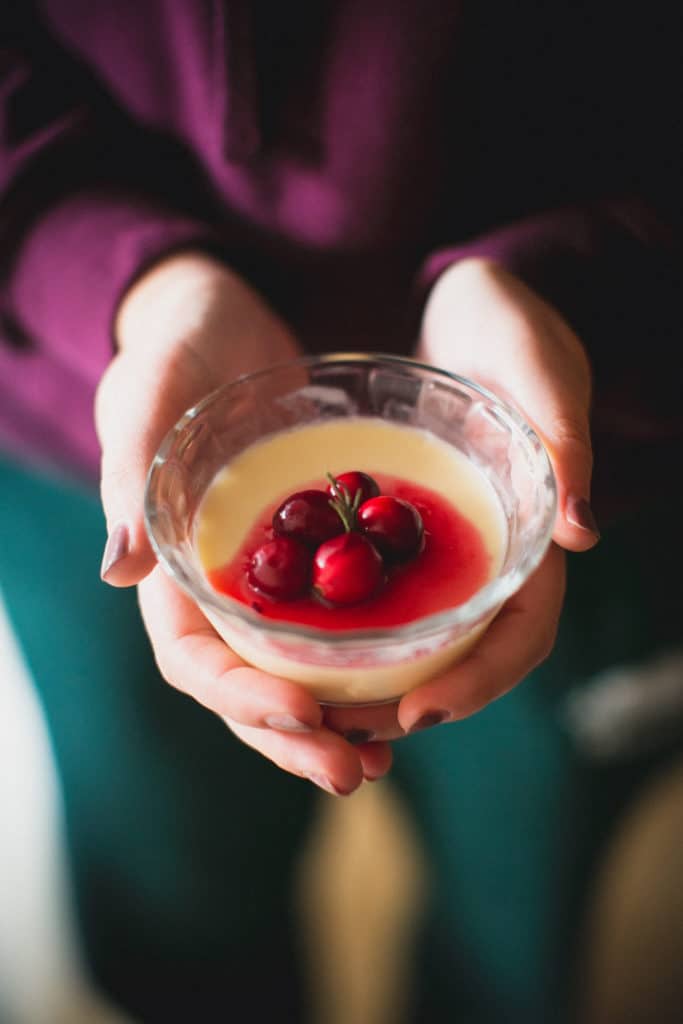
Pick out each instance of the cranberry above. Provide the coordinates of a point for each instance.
(281, 568)
(347, 569)
(307, 516)
(394, 526)
(352, 483)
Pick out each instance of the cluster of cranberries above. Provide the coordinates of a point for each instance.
(337, 542)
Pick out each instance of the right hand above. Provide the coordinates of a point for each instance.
(185, 328)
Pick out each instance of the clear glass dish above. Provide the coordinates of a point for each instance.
(361, 666)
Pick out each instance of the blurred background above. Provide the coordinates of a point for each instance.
(362, 883)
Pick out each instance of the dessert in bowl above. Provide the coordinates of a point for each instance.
(351, 605)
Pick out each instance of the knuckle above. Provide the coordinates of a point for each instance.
(476, 696)
(472, 703)
(571, 430)
(165, 664)
(105, 391)
(170, 654)
(484, 686)
(546, 643)
(119, 472)
(111, 477)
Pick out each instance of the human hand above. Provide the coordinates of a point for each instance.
(484, 323)
(185, 328)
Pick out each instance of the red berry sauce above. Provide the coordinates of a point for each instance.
(452, 565)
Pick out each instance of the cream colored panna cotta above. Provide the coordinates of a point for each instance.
(259, 478)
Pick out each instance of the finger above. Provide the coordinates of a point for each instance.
(137, 403)
(364, 724)
(519, 638)
(554, 396)
(322, 756)
(567, 441)
(559, 413)
(194, 659)
(553, 388)
(509, 338)
(376, 760)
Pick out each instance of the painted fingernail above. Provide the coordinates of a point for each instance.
(287, 723)
(324, 783)
(358, 736)
(428, 720)
(579, 513)
(116, 548)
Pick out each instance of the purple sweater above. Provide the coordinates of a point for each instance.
(339, 155)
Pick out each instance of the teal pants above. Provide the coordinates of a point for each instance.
(182, 843)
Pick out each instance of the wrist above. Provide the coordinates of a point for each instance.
(191, 302)
(172, 299)
(459, 282)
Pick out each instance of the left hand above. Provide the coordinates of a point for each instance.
(188, 325)
(483, 323)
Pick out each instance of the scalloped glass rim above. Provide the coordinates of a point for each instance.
(484, 602)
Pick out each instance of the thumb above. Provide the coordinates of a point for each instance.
(485, 323)
(136, 404)
(550, 385)
(553, 387)
(567, 440)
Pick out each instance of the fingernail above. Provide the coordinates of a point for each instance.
(428, 720)
(116, 548)
(579, 513)
(324, 783)
(287, 723)
(358, 736)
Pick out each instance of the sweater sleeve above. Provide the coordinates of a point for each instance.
(82, 214)
(75, 264)
(77, 222)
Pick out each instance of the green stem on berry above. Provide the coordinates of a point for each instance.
(342, 504)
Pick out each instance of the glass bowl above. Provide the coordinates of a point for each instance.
(361, 666)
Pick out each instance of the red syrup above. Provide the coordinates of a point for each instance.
(451, 567)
